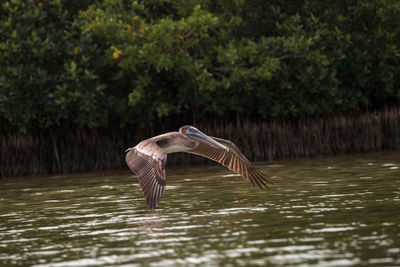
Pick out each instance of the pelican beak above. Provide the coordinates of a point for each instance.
(201, 137)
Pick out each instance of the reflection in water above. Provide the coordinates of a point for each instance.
(339, 211)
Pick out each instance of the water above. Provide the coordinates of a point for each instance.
(337, 211)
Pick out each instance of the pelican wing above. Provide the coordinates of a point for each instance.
(233, 159)
(148, 162)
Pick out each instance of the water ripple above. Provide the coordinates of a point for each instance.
(319, 212)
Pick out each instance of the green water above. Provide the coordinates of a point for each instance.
(337, 211)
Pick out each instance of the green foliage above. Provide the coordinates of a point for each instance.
(46, 75)
(120, 61)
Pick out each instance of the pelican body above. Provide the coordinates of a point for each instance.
(148, 158)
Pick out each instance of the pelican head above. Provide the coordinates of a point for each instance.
(197, 135)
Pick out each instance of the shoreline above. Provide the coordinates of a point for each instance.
(91, 150)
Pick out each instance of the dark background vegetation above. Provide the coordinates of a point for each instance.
(98, 76)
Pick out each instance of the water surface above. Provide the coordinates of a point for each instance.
(336, 211)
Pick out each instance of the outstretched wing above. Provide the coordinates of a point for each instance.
(148, 162)
(233, 159)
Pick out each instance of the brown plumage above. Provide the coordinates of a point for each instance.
(147, 159)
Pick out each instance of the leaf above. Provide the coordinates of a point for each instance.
(73, 66)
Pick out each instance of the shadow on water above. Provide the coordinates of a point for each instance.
(336, 211)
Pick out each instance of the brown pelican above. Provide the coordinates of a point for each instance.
(147, 159)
